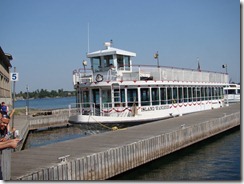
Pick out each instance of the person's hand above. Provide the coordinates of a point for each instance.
(13, 143)
(3, 139)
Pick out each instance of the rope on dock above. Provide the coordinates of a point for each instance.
(113, 128)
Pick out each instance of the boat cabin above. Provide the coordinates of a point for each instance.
(110, 62)
(232, 93)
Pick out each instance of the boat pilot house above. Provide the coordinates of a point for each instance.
(117, 91)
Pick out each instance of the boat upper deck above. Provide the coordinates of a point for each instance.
(112, 64)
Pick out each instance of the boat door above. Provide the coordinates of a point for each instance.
(96, 100)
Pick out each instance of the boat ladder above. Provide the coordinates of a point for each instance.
(115, 89)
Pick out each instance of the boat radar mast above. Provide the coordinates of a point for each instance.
(108, 44)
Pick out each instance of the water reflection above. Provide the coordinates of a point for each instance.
(215, 159)
(53, 135)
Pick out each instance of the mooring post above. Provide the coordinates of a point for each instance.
(6, 164)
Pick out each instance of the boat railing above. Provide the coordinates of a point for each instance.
(82, 108)
(118, 109)
(162, 73)
(152, 72)
(82, 76)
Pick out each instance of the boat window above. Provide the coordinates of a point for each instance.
(106, 96)
(96, 64)
(180, 94)
(122, 95)
(190, 94)
(145, 96)
(185, 94)
(120, 62)
(163, 95)
(238, 91)
(95, 94)
(155, 96)
(221, 93)
(230, 91)
(123, 62)
(194, 94)
(175, 96)
(127, 62)
(206, 93)
(217, 93)
(85, 99)
(213, 93)
(108, 62)
(198, 89)
(169, 95)
(132, 97)
(209, 93)
(202, 93)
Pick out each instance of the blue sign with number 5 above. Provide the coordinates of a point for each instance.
(14, 76)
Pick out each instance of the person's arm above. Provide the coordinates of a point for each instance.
(11, 143)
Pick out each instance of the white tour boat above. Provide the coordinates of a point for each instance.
(232, 93)
(117, 92)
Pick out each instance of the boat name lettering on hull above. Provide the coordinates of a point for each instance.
(155, 108)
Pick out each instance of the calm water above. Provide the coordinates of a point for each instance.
(46, 103)
(53, 135)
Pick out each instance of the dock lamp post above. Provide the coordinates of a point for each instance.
(84, 64)
(156, 57)
(27, 100)
(227, 101)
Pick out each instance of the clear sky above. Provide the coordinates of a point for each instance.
(48, 39)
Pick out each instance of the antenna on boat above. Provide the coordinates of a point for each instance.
(111, 42)
(198, 65)
(88, 38)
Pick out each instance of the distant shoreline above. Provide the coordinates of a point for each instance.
(19, 98)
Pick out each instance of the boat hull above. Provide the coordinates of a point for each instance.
(149, 114)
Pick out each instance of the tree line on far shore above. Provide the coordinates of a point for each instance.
(43, 93)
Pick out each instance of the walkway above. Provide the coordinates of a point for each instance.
(34, 160)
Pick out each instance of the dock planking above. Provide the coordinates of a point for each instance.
(36, 159)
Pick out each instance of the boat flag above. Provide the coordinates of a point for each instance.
(198, 67)
(225, 66)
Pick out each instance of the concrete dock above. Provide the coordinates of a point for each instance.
(102, 156)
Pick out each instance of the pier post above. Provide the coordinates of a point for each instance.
(6, 164)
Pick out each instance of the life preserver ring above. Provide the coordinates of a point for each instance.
(99, 78)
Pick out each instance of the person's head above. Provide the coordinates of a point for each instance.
(3, 103)
(4, 120)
